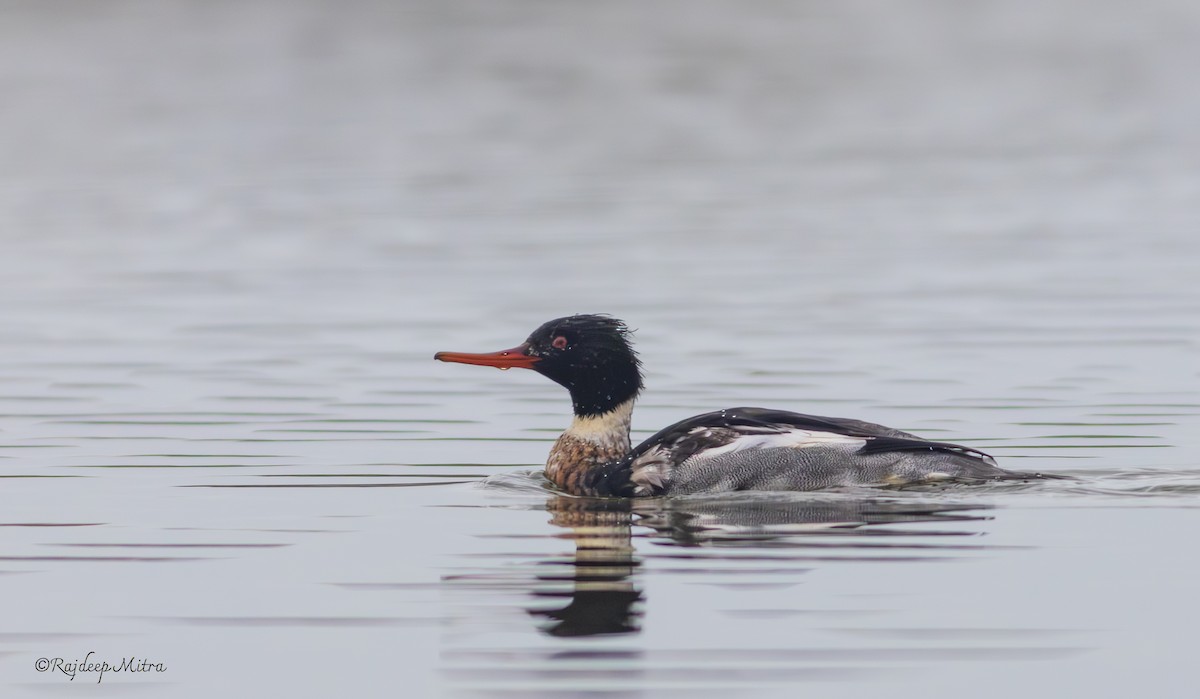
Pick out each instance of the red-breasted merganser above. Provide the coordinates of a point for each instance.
(727, 450)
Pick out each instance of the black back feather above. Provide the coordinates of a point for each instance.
(878, 438)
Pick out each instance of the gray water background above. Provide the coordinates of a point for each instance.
(234, 233)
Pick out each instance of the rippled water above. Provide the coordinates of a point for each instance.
(234, 235)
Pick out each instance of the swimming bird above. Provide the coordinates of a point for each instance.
(726, 450)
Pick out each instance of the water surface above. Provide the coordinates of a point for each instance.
(234, 235)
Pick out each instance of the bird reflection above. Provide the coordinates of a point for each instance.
(605, 595)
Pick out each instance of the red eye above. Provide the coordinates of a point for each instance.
(559, 342)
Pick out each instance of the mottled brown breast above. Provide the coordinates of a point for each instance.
(572, 458)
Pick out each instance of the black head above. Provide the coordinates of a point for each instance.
(590, 355)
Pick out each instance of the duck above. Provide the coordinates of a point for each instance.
(735, 449)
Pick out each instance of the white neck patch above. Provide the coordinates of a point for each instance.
(604, 429)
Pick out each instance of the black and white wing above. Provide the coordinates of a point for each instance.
(761, 449)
